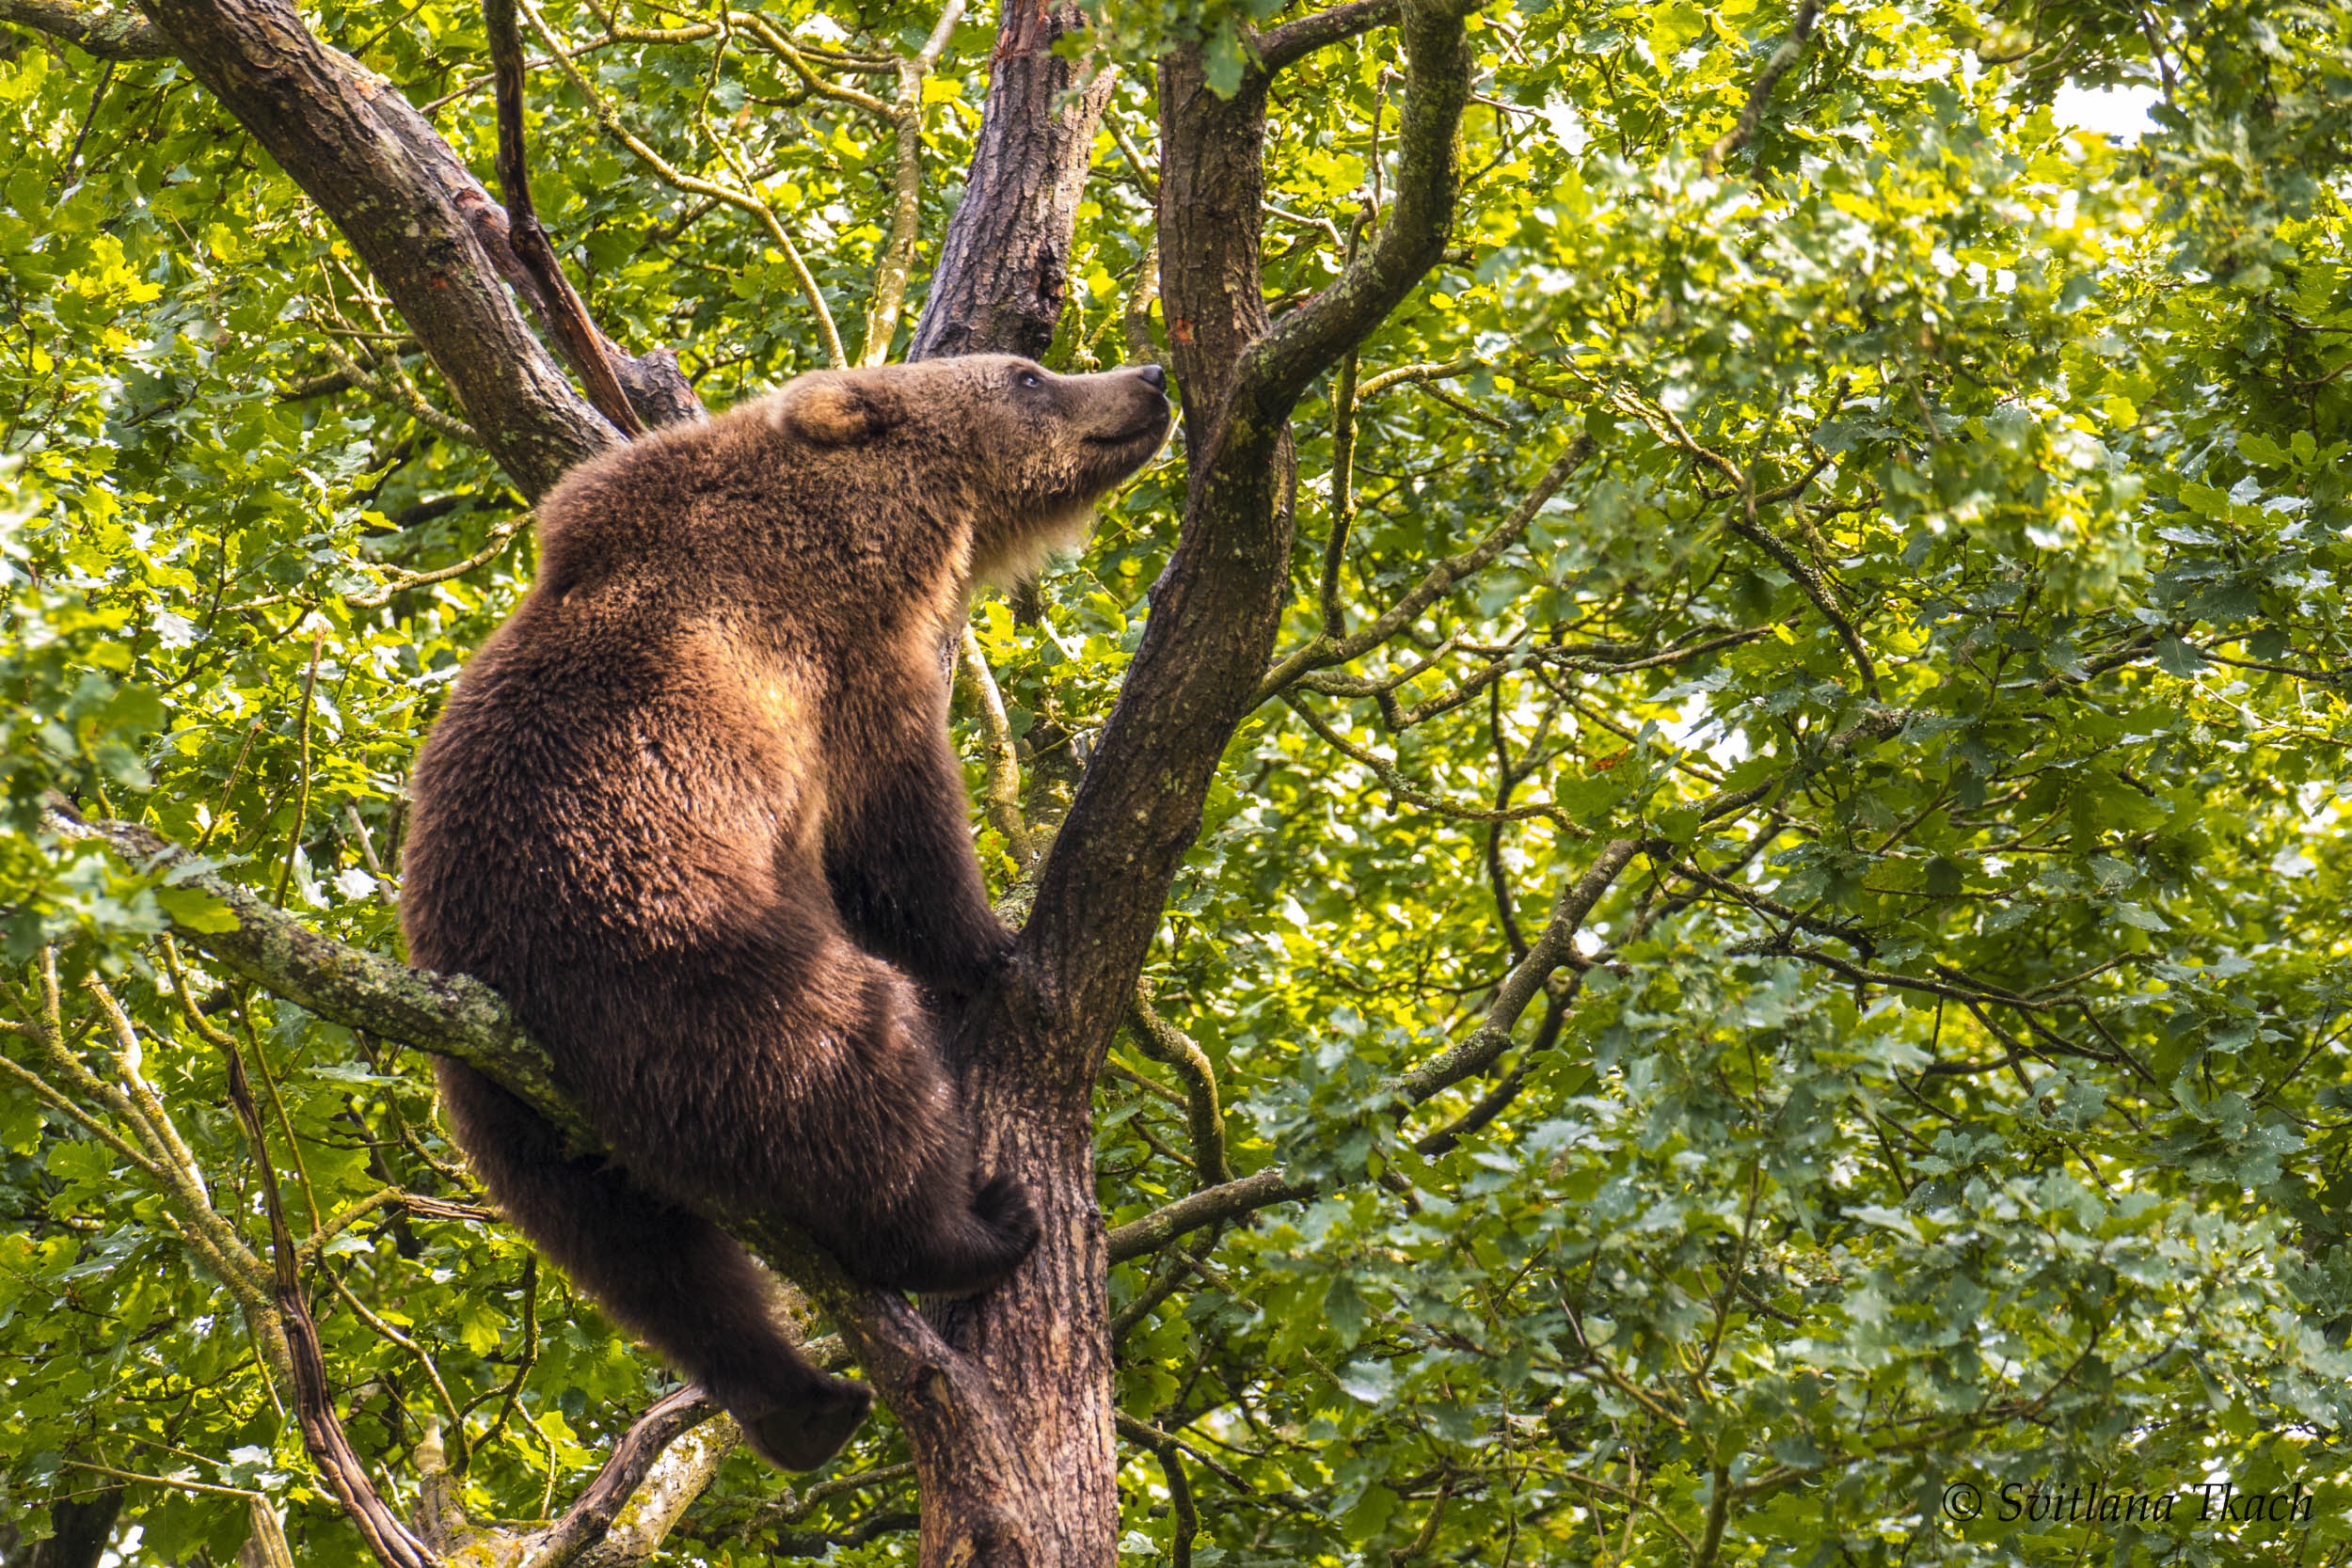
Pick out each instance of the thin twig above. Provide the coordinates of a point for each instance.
(1327, 650)
(302, 794)
(741, 199)
(1003, 762)
(888, 298)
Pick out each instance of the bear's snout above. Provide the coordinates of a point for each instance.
(1146, 412)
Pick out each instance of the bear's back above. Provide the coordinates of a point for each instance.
(635, 764)
(606, 790)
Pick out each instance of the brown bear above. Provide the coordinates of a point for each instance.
(694, 813)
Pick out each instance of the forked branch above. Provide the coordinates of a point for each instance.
(1266, 1188)
(1415, 224)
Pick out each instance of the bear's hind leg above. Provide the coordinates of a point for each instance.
(666, 1273)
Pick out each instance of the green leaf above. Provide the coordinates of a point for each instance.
(2177, 658)
(1222, 60)
(193, 909)
(1672, 26)
(2260, 450)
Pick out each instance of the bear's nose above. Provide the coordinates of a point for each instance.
(1152, 377)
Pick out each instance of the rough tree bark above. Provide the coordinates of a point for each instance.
(1003, 266)
(1005, 1399)
(108, 35)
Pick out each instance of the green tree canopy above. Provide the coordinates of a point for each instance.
(1771, 945)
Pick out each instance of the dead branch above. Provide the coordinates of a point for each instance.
(589, 1519)
(559, 304)
(406, 204)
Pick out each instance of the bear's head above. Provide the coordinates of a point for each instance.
(1032, 450)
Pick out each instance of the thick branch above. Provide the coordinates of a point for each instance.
(1215, 611)
(1294, 40)
(953, 1417)
(1550, 950)
(1375, 385)
(1210, 1206)
(108, 35)
(446, 1013)
(407, 206)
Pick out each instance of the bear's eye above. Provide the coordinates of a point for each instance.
(1031, 378)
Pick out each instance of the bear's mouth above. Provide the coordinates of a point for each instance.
(1152, 429)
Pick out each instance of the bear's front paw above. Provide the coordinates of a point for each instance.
(1005, 1207)
(980, 966)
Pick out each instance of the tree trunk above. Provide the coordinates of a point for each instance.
(79, 1530)
(1003, 267)
(1042, 1338)
(1032, 1055)
(1044, 1492)
(1033, 1052)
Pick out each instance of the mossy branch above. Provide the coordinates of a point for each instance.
(124, 34)
(939, 1394)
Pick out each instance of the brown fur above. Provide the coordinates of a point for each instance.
(694, 813)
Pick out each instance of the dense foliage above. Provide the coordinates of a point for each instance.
(1939, 614)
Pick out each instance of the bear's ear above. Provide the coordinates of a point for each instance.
(828, 409)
